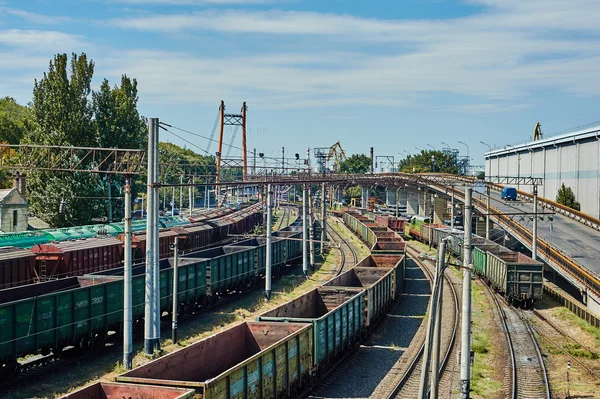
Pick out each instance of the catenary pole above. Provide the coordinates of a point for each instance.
(323, 219)
(311, 234)
(127, 302)
(487, 217)
(269, 249)
(304, 233)
(535, 224)
(151, 228)
(175, 290)
(465, 348)
(437, 330)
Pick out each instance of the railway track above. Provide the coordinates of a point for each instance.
(408, 385)
(560, 339)
(346, 250)
(528, 377)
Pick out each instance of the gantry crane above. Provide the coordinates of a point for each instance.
(537, 132)
(337, 153)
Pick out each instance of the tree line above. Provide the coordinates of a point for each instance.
(65, 111)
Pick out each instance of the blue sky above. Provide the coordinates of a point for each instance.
(394, 75)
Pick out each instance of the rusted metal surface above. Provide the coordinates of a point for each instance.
(107, 390)
(210, 364)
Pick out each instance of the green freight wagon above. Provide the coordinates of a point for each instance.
(228, 268)
(253, 360)
(517, 276)
(337, 317)
(80, 311)
(480, 257)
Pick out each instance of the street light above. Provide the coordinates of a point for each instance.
(447, 145)
(418, 148)
(489, 146)
(468, 159)
(431, 146)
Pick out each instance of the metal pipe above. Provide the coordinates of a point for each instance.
(304, 234)
(151, 227)
(437, 330)
(269, 247)
(465, 354)
(175, 290)
(127, 302)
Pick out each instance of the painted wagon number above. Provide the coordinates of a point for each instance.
(97, 300)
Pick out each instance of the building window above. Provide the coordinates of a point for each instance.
(15, 220)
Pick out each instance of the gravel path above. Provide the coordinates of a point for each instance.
(361, 374)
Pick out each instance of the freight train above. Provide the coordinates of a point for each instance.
(516, 276)
(84, 311)
(289, 348)
(89, 253)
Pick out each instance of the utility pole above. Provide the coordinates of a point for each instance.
(433, 311)
(191, 196)
(173, 202)
(397, 202)
(452, 207)
(465, 351)
(269, 248)
(152, 292)
(110, 207)
(311, 233)
(180, 194)
(487, 218)
(283, 160)
(535, 220)
(304, 233)
(127, 302)
(254, 163)
(371, 162)
(175, 248)
(437, 330)
(323, 220)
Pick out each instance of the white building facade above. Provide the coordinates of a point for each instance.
(571, 158)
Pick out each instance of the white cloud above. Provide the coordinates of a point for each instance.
(33, 17)
(41, 40)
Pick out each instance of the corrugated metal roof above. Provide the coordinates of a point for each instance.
(14, 252)
(76, 245)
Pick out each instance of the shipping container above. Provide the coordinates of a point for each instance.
(250, 360)
(112, 390)
(337, 316)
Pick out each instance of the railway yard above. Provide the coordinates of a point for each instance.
(355, 328)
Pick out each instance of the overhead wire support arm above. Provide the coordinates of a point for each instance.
(73, 159)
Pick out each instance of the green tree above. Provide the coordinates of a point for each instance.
(14, 124)
(14, 121)
(566, 197)
(62, 114)
(422, 162)
(119, 125)
(357, 163)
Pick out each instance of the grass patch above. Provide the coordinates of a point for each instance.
(484, 381)
(565, 314)
(574, 350)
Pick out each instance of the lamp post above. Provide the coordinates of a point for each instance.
(468, 159)
(486, 144)
(447, 145)
(429, 145)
